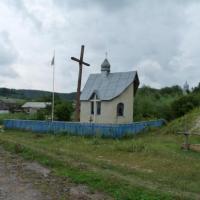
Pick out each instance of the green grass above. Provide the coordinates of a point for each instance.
(12, 100)
(148, 166)
(16, 116)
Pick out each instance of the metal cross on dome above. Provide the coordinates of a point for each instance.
(106, 54)
(81, 63)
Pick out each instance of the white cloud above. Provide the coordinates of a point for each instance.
(159, 39)
(8, 56)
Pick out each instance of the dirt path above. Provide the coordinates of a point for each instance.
(21, 180)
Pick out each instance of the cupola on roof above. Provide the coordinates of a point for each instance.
(105, 66)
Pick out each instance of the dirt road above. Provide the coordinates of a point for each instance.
(22, 180)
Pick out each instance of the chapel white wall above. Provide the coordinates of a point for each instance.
(109, 109)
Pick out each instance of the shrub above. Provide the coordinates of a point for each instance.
(185, 104)
(155, 103)
(63, 111)
(40, 115)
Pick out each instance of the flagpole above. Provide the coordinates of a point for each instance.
(53, 87)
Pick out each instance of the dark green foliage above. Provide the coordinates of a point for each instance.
(63, 111)
(197, 89)
(150, 103)
(185, 104)
(45, 98)
(6, 91)
(33, 94)
(168, 103)
(153, 103)
(41, 115)
(48, 98)
(174, 90)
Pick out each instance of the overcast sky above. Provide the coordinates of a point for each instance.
(159, 39)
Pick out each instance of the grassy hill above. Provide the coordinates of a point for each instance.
(32, 94)
(148, 166)
(11, 100)
(150, 103)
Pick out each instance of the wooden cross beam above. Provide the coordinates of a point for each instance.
(81, 63)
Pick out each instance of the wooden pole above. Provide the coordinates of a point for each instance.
(81, 63)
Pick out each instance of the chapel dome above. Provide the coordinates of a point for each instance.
(186, 86)
(105, 66)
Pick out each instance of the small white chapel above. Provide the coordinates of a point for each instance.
(109, 97)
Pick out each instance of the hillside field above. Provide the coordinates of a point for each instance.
(30, 95)
(148, 166)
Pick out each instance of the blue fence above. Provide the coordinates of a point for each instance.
(83, 129)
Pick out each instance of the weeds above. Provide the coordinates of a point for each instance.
(141, 167)
(18, 148)
(80, 174)
(133, 146)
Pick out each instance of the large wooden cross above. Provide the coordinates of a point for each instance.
(81, 63)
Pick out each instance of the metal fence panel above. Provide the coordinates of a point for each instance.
(82, 129)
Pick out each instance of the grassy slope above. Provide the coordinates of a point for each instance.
(16, 116)
(32, 94)
(149, 166)
(12, 100)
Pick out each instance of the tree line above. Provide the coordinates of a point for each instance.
(167, 103)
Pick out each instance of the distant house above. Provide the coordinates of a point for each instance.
(4, 108)
(10, 105)
(33, 107)
(108, 97)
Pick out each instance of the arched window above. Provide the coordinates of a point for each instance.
(120, 109)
